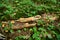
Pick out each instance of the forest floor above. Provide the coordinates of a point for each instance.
(22, 26)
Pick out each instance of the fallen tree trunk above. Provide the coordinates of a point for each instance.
(24, 22)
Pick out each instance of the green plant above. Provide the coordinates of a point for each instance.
(0, 24)
(6, 12)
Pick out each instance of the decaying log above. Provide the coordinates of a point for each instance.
(24, 22)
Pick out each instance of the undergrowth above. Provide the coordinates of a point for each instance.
(15, 9)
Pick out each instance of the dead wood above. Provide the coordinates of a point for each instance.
(24, 22)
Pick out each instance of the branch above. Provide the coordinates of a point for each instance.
(26, 25)
(29, 19)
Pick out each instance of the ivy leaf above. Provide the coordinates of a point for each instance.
(18, 31)
(36, 35)
(54, 1)
(58, 37)
(34, 29)
(11, 31)
(37, 38)
(49, 36)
